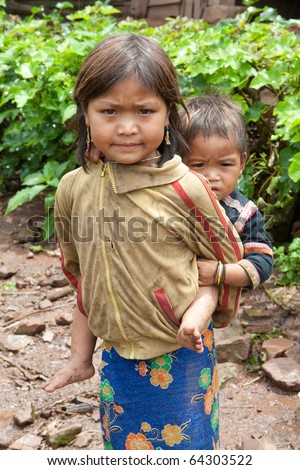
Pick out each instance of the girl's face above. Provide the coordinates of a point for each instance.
(127, 123)
(219, 160)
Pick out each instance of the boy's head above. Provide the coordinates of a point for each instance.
(216, 133)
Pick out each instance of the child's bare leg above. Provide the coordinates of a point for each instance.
(196, 317)
(80, 366)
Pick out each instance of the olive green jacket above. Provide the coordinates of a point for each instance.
(129, 237)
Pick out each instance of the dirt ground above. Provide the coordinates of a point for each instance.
(251, 406)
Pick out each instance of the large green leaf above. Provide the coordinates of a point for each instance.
(22, 196)
(294, 169)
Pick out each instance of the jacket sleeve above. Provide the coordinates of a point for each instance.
(212, 237)
(258, 254)
(62, 217)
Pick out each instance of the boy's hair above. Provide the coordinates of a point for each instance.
(211, 115)
(117, 58)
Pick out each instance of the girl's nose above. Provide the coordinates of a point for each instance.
(127, 127)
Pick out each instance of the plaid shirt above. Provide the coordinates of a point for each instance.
(250, 225)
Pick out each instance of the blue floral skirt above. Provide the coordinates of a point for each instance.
(168, 402)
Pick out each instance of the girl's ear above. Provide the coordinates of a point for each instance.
(86, 119)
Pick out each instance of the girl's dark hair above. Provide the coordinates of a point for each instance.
(213, 114)
(119, 57)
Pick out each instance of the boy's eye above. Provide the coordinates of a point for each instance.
(198, 165)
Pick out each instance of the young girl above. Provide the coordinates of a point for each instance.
(130, 229)
(216, 133)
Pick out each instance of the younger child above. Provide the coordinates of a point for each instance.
(216, 133)
(130, 229)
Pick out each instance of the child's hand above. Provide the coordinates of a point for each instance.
(189, 337)
(206, 272)
(72, 372)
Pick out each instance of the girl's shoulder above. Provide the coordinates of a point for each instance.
(71, 175)
(68, 183)
(196, 184)
(76, 178)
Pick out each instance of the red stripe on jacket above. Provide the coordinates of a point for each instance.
(204, 222)
(165, 305)
(67, 273)
(76, 284)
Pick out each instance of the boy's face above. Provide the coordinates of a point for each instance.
(219, 160)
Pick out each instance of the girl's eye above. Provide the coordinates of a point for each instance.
(145, 111)
(109, 111)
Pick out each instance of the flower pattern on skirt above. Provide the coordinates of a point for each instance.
(167, 402)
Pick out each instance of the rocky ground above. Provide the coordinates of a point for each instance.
(258, 356)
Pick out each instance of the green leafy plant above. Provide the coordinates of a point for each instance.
(45, 180)
(39, 60)
(254, 57)
(8, 286)
(36, 248)
(288, 262)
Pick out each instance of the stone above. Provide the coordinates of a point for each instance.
(63, 435)
(234, 329)
(23, 235)
(6, 417)
(234, 349)
(48, 336)
(14, 342)
(256, 320)
(284, 372)
(276, 347)
(30, 328)
(21, 284)
(25, 416)
(5, 438)
(45, 303)
(59, 281)
(228, 371)
(83, 440)
(252, 314)
(59, 292)
(27, 442)
(7, 271)
(64, 318)
(294, 353)
(253, 443)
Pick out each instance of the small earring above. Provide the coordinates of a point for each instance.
(167, 137)
(88, 141)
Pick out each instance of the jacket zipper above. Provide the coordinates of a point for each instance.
(112, 180)
(106, 264)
